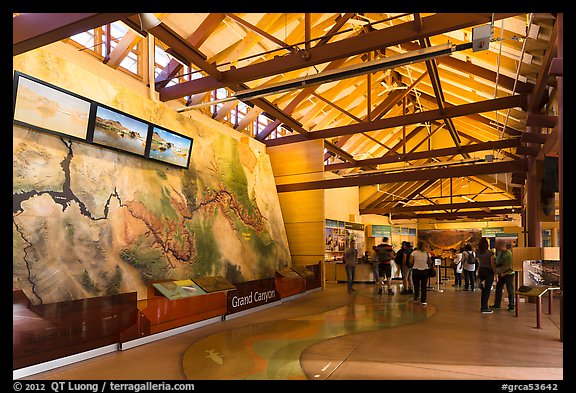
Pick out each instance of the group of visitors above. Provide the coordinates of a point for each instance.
(490, 266)
(415, 265)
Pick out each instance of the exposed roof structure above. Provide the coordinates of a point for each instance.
(437, 138)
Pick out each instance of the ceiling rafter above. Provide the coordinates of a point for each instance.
(385, 106)
(196, 39)
(378, 39)
(33, 30)
(420, 117)
(432, 207)
(122, 49)
(409, 175)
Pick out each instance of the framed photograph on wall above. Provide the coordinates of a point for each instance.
(170, 147)
(119, 131)
(46, 107)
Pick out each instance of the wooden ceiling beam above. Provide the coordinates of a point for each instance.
(389, 159)
(378, 39)
(476, 70)
(261, 32)
(409, 175)
(446, 206)
(420, 117)
(295, 102)
(340, 21)
(454, 216)
(122, 49)
(543, 74)
(186, 50)
(475, 116)
(196, 39)
(421, 188)
(385, 106)
(33, 30)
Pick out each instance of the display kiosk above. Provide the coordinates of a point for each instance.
(289, 283)
(51, 331)
(160, 312)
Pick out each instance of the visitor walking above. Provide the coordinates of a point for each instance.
(350, 261)
(486, 270)
(469, 268)
(420, 262)
(384, 255)
(503, 266)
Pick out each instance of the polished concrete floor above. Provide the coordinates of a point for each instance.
(333, 335)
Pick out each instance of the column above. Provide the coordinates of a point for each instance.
(532, 189)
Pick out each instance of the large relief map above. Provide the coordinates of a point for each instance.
(91, 222)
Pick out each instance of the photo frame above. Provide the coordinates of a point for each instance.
(119, 131)
(169, 147)
(45, 107)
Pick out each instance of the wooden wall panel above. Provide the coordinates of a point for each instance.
(303, 211)
(297, 158)
(306, 238)
(302, 206)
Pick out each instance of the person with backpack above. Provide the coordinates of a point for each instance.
(384, 255)
(458, 268)
(402, 259)
(469, 267)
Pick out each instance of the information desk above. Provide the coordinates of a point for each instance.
(330, 271)
(537, 292)
(363, 273)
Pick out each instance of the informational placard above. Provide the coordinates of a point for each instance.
(491, 232)
(214, 284)
(288, 273)
(303, 271)
(179, 289)
(381, 231)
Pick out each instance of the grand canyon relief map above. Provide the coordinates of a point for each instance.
(90, 222)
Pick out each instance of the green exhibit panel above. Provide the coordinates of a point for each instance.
(50, 331)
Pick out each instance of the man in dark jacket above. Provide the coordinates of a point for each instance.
(384, 257)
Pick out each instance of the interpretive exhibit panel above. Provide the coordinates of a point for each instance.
(89, 221)
(289, 283)
(303, 271)
(214, 284)
(438, 240)
(50, 331)
(179, 289)
(158, 313)
(251, 294)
